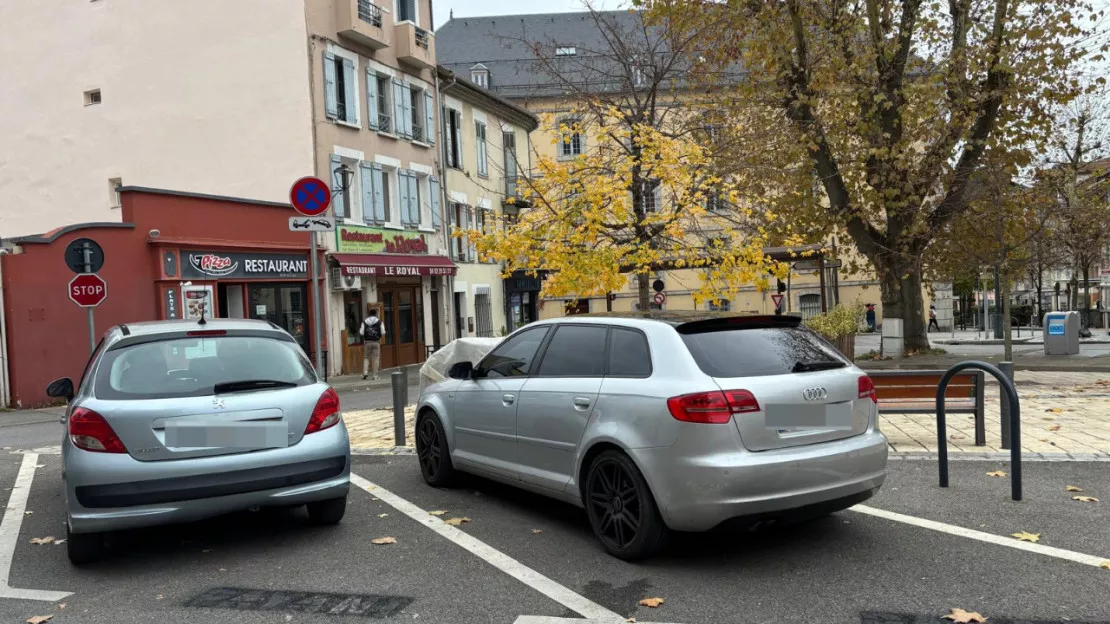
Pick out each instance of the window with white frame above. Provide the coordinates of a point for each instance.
(650, 195)
(570, 138)
(406, 11)
(340, 87)
(408, 193)
(480, 143)
(413, 112)
(343, 202)
(462, 217)
(374, 192)
(809, 305)
(565, 51)
(379, 100)
(480, 77)
(452, 137)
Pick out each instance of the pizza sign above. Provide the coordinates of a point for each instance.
(214, 265)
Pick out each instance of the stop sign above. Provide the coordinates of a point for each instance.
(88, 290)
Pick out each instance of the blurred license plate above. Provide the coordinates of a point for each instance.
(804, 416)
(212, 433)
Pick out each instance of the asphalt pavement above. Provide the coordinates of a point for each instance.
(917, 552)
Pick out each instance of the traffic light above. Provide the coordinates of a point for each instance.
(782, 286)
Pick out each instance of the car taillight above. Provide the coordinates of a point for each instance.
(713, 408)
(325, 414)
(867, 389)
(89, 431)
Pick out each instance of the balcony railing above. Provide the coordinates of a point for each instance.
(418, 133)
(370, 13)
(422, 38)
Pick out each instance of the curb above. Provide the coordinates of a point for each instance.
(1036, 457)
(395, 450)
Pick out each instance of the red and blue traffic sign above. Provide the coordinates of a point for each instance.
(310, 196)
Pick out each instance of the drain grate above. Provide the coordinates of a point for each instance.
(323, 603)
(871, 617)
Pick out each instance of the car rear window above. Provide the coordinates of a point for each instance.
(759, 351)
(188, 367)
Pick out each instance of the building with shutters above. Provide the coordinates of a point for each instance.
(487, 151)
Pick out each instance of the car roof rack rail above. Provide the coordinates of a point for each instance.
(275, 325)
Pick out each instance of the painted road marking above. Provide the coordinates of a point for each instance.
(990, 538)
(548, 619)
(9, 535)
(580, 604)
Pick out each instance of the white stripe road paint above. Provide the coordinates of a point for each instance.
(547, 619)
(990, 538)
(9, 535)
(590, 610)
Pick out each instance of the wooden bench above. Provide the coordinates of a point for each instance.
(915, 392)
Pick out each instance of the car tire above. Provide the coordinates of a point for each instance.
(84, 548)
(432, 451)
(610, 473)
(327, 511)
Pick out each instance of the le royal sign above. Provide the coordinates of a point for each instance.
(358, 239)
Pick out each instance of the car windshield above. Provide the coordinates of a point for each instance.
(187, 367)
(759, 351)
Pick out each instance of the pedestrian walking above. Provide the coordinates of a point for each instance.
(933, 318)
(372, 332)
(870, 316)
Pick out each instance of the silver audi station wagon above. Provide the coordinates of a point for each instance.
(661, 421)
(176, 421)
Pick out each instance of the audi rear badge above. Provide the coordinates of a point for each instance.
(815, 394)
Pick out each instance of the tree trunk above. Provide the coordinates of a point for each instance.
(1007, 330)
(1086, 295)
(900, 286)
(643, 283)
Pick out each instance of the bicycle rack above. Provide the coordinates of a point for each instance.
(1015, 423)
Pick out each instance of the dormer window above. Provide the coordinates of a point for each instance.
(479, 75)
(565, 51)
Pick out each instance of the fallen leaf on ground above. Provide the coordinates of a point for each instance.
(438, 512)
(956, 436)
(1054, 428)
(39, 619)
(1105, 565)
(963, 617)
(61, 606)
(651, 602)
(372, 498)
(27, 513)
(1073, 488)
(1027, 537)
(1055, 410)
(59, 542)
(383, 540)
(42, 540)
(41, 466)
(222, 570)
(456, 521)
(159, 597)
(632, 620)
(1085, 499)
(996, 473)
(382, 515)
(536, 531)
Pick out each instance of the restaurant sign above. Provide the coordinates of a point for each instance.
(227, 265)
(360, 239)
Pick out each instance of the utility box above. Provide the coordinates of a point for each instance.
(1061, 333)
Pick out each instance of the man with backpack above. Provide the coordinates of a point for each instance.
(372, 332)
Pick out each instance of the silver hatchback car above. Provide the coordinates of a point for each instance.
(661, 421)
(178, 420)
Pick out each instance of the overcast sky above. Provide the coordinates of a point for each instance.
(474, 8)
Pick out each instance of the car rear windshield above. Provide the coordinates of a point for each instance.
(760, 351)
(188, 367)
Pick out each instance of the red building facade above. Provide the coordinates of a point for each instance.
(172, 254)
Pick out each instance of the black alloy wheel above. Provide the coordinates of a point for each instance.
(621, 509)
(431, 450)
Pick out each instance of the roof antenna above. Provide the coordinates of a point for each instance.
(451, 14)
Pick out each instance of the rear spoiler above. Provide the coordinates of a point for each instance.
(740, 322)
(132, 340)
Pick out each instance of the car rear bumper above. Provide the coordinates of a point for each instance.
(698, 491)
(108, 492)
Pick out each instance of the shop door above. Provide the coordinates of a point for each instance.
(285, 305)
(401, 344)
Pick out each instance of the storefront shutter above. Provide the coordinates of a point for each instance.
(372, 98)
(337, 198)
(366, 178)
(398, 107)
(433, 189)
(331, 104)
(349, 90)
(429, 118)
(379, 193)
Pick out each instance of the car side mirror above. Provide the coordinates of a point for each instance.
(461, 370)
(60, 389)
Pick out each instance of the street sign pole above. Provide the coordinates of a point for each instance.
(87, 251)
(311, 196)
(316, 344)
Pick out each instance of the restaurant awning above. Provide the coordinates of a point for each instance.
(394, 265)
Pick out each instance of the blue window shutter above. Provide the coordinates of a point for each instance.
(430, 118)
(349, 90)
(366, 179)
(398, 108)
(379, 194)
(331, 104)
(414, 199)
(403, 194)
(337, 197)
(433, 190)
(406, 95)
(372, 99)
(458, 138)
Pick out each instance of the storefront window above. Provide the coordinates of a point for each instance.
(404, 312)
(353, 315)
(282, 304)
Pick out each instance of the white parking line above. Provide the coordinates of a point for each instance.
(990, 538)
(580, 604)
(9, 534)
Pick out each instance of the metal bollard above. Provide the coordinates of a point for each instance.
(1008, 369)
(400, 399)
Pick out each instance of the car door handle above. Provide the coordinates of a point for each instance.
(508, 399)
(581, 402)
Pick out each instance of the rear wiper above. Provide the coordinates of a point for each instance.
(808, 367)
(251, 384)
